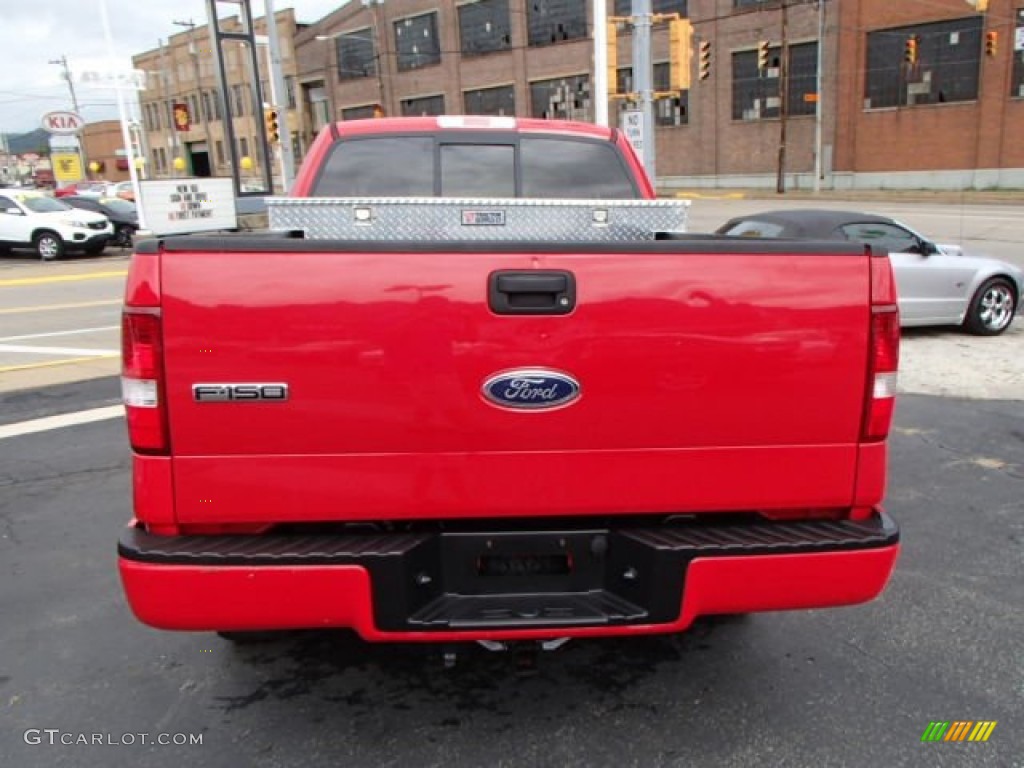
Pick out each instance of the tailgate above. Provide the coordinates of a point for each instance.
(712, 377)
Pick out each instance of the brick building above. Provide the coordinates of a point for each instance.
(943, 120)
(528, 57)
(183, 72)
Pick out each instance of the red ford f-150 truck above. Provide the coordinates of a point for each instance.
(459, 397)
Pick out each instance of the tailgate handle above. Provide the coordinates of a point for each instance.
(534, 292)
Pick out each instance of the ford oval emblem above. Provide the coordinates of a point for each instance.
(531, 389)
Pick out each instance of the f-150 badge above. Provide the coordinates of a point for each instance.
(240, 393)
(531, 389)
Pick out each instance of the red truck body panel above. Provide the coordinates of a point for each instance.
(726, 451)
(705, 378)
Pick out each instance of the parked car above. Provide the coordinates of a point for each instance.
(123, 190)
(90, 188)
(122, 214)
(938, 284)
(49, 226)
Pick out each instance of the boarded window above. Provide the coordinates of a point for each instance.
(358, 113)
(755, 92)
(416, 42)
(484, 27)
(672, 110)
(948, 59)
(565, 98)
(423, 106)
(625, 7)
(1017, 81)
(554, 21)
(357, 56)
(491, 101)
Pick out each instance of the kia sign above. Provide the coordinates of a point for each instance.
(62, 123)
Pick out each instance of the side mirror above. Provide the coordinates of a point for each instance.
(928, 248)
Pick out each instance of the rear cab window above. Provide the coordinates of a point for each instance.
(499, 165)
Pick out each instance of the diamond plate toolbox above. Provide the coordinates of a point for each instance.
(470, 219)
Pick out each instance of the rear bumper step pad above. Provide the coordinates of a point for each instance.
(437, 582)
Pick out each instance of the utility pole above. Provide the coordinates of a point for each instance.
(600, 94)
(642, 77)
(819, 109)
(278, 89)
(63, 62)
(780, 180)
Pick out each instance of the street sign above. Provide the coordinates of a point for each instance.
(633, 127)
(180, 206)
(62, 123)
(66, 166)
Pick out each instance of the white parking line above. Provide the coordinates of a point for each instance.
(76, 351)
(59, 333)
(59, 422)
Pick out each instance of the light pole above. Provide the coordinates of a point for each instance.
(63, 62)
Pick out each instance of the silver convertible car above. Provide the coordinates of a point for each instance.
(936, 284)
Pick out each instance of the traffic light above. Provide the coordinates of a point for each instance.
(273, 127)
(680, 52)
(991, 43)
(612, 50)
(704, 62)
(762, 55)
(910, 50)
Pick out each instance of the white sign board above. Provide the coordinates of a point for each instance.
(134, 79)
(181, 206)
(1018, 39)
(633, 127)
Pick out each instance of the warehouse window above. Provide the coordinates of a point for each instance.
(357, 56)
(755, 93)
(554, 21)
(565, 98)
(625, 7)
(359, 113)
(667, 110)
(948, 59)
(491, 101)
(1017, 83)
(484, 26)
(219, 146)
(416, 42)
(423, 106)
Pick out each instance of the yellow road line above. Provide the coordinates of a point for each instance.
(49, 307)
(52, 363)
(62, 278)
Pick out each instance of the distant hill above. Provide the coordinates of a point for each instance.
(36, 141)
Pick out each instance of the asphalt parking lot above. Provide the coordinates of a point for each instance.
(846, 687)
(854, 686)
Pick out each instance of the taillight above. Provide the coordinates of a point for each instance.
(142, 380)
(884, 351)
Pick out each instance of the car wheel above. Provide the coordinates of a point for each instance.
(122, 237)
(991, 308)
(49, 245)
